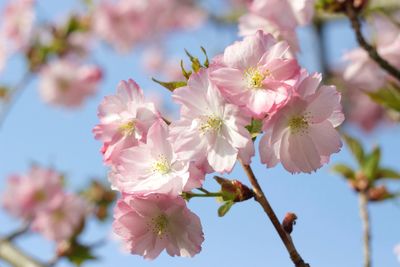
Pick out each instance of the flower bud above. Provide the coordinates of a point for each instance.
(288, 222)
(234, 190)
(378, 193)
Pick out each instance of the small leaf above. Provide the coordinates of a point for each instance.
(355, 147)
(225, 208)
(206, 62)
(254, 128)
(388, 97)
(371, 164)
(170, 85)
(185, 73)
(80, 254)
(344, 170)
(388, 173)
(196, 65)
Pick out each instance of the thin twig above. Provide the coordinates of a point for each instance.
(13, 96)
(261, 198)
(22, 230)
(372, 52)
(366, 228)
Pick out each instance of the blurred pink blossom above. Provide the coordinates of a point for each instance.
(125, 119)
(396, 251)
(63, 216)
(17, 23)
(262, 17)
(257, 74)
(30, 193)
(210, 130)
(302, 135)
(361, 71)
(67, 83)
(125, 23)
(149, 224)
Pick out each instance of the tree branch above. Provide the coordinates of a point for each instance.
(15, 257)
(372, 52)
(261, 198)
(366, 229)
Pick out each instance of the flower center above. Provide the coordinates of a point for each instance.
(211, 123)
(254, 77)
(298, 124)
(39, 196)
(161, 166)
(127, 128)
(159, 225)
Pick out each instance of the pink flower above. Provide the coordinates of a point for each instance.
(152, 167)
(28, 194)
(210, 130)
(363, 72)
(62, 218)
(302, 135)
(18, 19)
(150, 224)
(120, 23)
(257, 74)
(250, 23)
(67, 83)
(266, 15)
(125, 119)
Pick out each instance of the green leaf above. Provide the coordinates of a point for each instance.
(223, 209)
(371, 164)
(387, 173)
(388, 97)
(206, 62)
(80, 254)
(170, 85)
(355, 148)
(185, 73)
(344, 170)
(196, 65)
(254, 128)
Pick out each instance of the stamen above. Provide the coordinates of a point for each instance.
(161, 166)
(211, 123)
(127, 128)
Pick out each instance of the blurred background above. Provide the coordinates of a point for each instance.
(328, 230)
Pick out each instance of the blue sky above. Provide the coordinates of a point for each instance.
(328, 231)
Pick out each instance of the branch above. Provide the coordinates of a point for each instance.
(15, 257)
(372, 52)
(13, 96)
(261, 198)
(22, 230)
(366, 229)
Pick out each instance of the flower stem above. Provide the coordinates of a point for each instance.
(261, 198)
(189, 195)
(364, 214)
(372, 52)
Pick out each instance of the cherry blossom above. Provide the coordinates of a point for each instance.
(18, 21)
(150, 224)
(362, 71)
(302, 135)
(210, 130)
(67, 83)
(262, 17)
(62, 217)
(30, 193)
(257, 74)
(152, 167)
(125, 119)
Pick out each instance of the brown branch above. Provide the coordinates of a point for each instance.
(366, 228)
(352, 14)
(261, 198)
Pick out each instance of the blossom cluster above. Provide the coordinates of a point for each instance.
(152, 162)
(39, 199)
